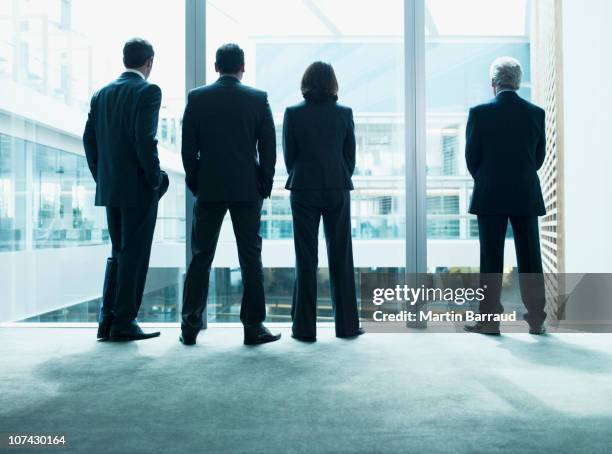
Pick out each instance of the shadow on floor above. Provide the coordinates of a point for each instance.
(329, 397)
(551, 350)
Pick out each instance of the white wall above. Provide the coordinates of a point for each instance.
(41, 280)
(34, 282)
(587, 94)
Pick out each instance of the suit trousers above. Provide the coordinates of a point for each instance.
(307, 207)
(492, 235)
(131, 232)
(207, 221)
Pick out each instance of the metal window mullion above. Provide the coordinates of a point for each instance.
(415, 187)
(195, 75)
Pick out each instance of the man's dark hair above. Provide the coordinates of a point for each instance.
(229, 58)
(136, 52)
(319, 82)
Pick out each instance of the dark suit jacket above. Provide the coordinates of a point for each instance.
(229, 142)
(120, 144)
(505, 148)
(319, 145)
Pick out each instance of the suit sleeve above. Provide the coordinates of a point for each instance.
(349, 144)
(266, 149)
(473, 154)
(147, 116)
(90, 143)
(189, 147)
(541, 148)
(289, 145)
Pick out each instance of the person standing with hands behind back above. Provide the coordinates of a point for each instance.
(319, 150)
(229, 153)
(505, 148)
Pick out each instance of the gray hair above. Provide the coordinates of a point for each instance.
(506, 72)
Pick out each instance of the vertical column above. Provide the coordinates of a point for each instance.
(414, 61)
(195, 75)
(414, 64)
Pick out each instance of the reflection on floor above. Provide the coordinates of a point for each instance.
(379, 393)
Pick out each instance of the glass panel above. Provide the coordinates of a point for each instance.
(364, 43)
(63, 193)
(53, 55)
(462, 40)
(12, 194)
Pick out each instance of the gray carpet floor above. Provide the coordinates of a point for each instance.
(404, 393)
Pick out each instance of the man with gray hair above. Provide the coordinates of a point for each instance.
(505, 148)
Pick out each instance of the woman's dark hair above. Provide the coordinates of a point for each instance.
(136, 52)
(319, 83)
(229, 58)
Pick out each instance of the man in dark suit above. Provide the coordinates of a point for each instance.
(121, 151)
(505, 148)
(229, 153)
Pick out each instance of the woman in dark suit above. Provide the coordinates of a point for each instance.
(319, 150)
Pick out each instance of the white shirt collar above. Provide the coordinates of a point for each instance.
(505, 89)
(135, 71)
(229, 75)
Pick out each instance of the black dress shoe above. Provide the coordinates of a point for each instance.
(488, 328)
(185, 340)
(535, 326)
(309, 339)
(538, 330)
(104, 328)
(133, 333)
(259, 334)
(359, 332)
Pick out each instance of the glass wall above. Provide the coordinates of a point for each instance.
(53, 55)
(462, 40)
(63, 191)
(364, 43)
